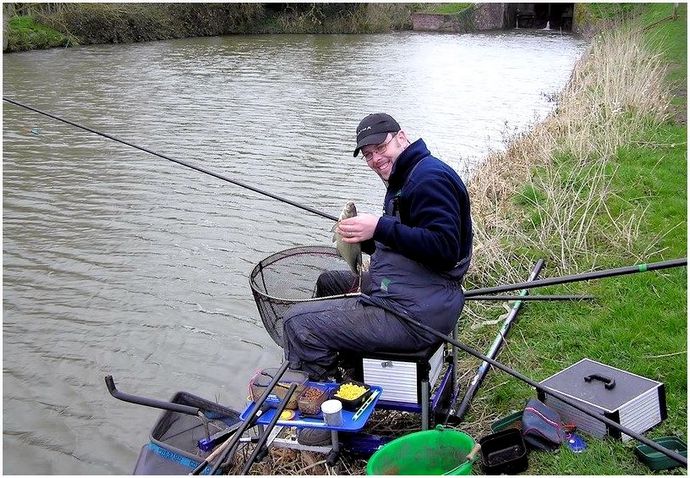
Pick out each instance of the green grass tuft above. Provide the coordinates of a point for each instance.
(445, 8)
(24, 33)
(609, 11)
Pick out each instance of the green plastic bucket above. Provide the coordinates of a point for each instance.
(440, 451)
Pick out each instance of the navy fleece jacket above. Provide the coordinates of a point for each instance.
(435, 227)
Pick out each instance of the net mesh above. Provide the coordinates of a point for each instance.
(181, 433)
(287, 278)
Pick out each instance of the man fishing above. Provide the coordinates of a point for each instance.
(421, 248)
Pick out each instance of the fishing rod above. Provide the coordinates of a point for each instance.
(493, 350)
(269, 428)
(469, 293)
(530, 297)
(564, 398)
(579, 277)
(178, 161)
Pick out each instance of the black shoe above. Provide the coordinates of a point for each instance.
(327, 376)
(348, 375)
(314, 437)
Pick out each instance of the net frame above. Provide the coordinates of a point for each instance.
(272, 303)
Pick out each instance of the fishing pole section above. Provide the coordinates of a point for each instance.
(653, 266)
(178, 161)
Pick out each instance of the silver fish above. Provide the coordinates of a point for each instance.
(352, 253)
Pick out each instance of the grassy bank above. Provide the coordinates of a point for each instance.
(36, 26)
(600, 184)
(93, 23)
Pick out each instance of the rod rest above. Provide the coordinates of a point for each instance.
(149, 402)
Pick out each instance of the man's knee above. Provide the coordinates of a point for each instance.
(335, 283)
(321, 285)
(326, 284)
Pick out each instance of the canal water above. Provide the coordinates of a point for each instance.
(119, 262)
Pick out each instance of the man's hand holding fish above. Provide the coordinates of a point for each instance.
(358, 228)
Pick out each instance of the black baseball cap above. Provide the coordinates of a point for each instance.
(374, 128)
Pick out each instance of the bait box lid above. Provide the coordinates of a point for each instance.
(260, 382)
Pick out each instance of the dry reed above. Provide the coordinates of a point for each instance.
(562, 169)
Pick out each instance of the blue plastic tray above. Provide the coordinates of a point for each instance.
(316, 421)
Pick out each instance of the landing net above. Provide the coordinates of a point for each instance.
(287, 278)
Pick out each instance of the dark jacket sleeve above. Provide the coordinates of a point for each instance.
(431, 233)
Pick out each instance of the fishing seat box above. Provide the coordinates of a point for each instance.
(635, 402)
(402, 376)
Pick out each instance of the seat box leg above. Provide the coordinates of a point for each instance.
(425, 404)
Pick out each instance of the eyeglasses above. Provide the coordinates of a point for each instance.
(379, 149)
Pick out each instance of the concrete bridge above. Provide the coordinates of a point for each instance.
(499, 16)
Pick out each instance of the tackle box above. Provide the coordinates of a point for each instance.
(635, 402)
(400, 375)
